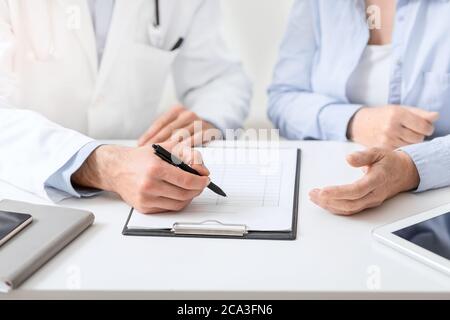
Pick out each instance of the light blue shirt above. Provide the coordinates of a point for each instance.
(101, 12)
(323, 44)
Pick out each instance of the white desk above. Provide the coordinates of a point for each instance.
(333, 257)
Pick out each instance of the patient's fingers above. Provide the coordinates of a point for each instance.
(430, 116)
(411, 137)
(417, 123)
(352, 191)
(348, 207)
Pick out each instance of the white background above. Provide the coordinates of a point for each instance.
(253, 30)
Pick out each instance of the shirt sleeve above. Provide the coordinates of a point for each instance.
(59, 185)
(432, 160)
(294, 107)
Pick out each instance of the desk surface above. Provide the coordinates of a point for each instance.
(333, 257)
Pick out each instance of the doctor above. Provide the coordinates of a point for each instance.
(73, 71)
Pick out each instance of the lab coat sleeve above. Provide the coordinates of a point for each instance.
(294, 107)
(59, 184)
(32, 148)
(208, 79)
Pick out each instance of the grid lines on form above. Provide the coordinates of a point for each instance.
(246, 185)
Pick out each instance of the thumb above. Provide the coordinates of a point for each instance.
(365, 158)
(430, 116)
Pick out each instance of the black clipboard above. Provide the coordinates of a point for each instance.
(214, 229)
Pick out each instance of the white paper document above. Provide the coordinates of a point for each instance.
(260, 186)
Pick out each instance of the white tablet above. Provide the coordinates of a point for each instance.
(424, 237)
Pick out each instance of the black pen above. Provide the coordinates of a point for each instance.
(168, 157)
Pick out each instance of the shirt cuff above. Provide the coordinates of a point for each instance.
(334, 120)
(59, 185)
(430, 173)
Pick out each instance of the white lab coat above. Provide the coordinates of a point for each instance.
(55, 98)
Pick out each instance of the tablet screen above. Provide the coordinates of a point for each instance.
(432, 234)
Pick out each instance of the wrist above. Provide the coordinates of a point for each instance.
(352, 126)
(410, 175)
(100, 168)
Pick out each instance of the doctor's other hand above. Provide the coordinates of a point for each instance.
(391, 126)
(142, 179)
(387, 173)
(181, 125)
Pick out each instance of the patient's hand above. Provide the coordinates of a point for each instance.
(143, 180)
(391, 126)
(181, 125)
(387, 174)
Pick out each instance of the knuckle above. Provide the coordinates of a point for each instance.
(153, 170)
(185, 196)
(197, 193)
(326, 202)
(180, 205)
(186, 181)
(149, 184)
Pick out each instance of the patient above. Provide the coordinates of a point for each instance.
(377, 73)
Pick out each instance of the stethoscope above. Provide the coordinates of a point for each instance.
(154, 30)
(157, 22)
(155, 34)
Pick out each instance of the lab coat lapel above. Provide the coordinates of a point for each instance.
(124, 11)
(79, 21)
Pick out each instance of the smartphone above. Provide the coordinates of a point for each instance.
(11, 223)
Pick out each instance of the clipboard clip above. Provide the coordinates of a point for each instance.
(210, 227)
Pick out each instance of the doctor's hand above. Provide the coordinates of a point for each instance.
(391, 126)
(181, 125)
(387, 173)
(142, 179)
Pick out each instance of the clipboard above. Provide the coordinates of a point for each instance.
(217, 229)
